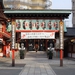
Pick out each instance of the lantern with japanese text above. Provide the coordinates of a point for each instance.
(30, 25)
(56, 25)
(18, 24)
(49, 25)
(43, 25)
(24, 24)
(37, 25)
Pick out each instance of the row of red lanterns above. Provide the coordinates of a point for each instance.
(37, 24)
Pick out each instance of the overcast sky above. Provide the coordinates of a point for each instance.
(63, 4)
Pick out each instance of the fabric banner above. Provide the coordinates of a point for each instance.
(37, 35)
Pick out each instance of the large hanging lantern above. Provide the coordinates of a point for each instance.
(18, 24)
(56, 25)
(30, 25)
(24, 24)
(43, 25)
(37, 25)
(49, 25)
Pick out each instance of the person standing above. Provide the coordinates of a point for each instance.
(36, 46)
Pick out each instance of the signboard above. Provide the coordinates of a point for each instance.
(13, 35)
(37, 35)
(61, 34)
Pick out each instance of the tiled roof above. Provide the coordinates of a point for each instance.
(70, 31)
(52, 13)
(2, 16)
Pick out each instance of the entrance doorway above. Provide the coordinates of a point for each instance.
(30, 45)
(36, 44)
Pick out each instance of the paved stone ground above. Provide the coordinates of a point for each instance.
(37, 64)
(10, 71)
(34, 54)
(65, 70)
(7, 69)
(37, 69)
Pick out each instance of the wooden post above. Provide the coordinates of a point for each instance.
(13, 57)
(13, 41)
(61, 39)
(61, 57)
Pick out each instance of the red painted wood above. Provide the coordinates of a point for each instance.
(13, 54)
(61, 54)
(37, 30)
